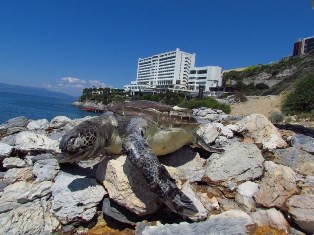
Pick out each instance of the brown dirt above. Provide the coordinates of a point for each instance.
(257, 104)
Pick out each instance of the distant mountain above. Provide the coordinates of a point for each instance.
(32, 91)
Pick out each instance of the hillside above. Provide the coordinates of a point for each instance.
(279, 76)
(15, 89)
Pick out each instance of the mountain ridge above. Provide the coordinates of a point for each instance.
(25, 90)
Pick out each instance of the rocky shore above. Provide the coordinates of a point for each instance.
(263, 183)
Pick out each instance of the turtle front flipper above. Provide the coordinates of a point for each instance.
(156, 175)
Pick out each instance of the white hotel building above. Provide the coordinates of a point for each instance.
(174, 70)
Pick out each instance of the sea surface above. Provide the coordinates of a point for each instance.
(37, 107)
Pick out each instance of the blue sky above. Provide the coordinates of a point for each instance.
(65, 45)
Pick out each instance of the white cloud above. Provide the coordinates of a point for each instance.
(73, 86)
(71, 80)
(97, 83)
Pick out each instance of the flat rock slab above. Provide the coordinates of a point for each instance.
(277, 185)
(240, 162)
(229, 222)
(30, 218)
(303, 142)
(189, 164)
(295, 158)
(75, 198)
(18, 174)
(301, 207)
(13, 162)
(46, 169)
(13, 125)
(23, 192)
(117, 212)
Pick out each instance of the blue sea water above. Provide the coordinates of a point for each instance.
(36, 107)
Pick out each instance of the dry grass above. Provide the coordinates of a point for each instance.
(258, 104)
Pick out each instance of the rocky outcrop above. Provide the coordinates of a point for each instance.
(232, 190)
(277, 185)
(240, 162)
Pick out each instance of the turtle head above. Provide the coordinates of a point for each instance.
(79, 143)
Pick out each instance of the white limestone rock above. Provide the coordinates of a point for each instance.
(30, 218)
(46, 169)
(28, 141)
(127, 186)
(75, 198)
(18, 174)
(189, 164)
(244, 195)
(271, 218)
(207, 132)
(240, 162)
(59, 121)
(5, 150)
(41, 124)
(22, 191)
(261, 130)
(229, 222)
(13, 162)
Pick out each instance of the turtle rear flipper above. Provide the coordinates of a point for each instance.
(156, 175)
(181, 204)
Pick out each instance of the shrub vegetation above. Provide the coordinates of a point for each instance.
(207, 102)
(301, 100)
(107, 95)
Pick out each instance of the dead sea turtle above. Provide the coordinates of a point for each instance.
(142, 130)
